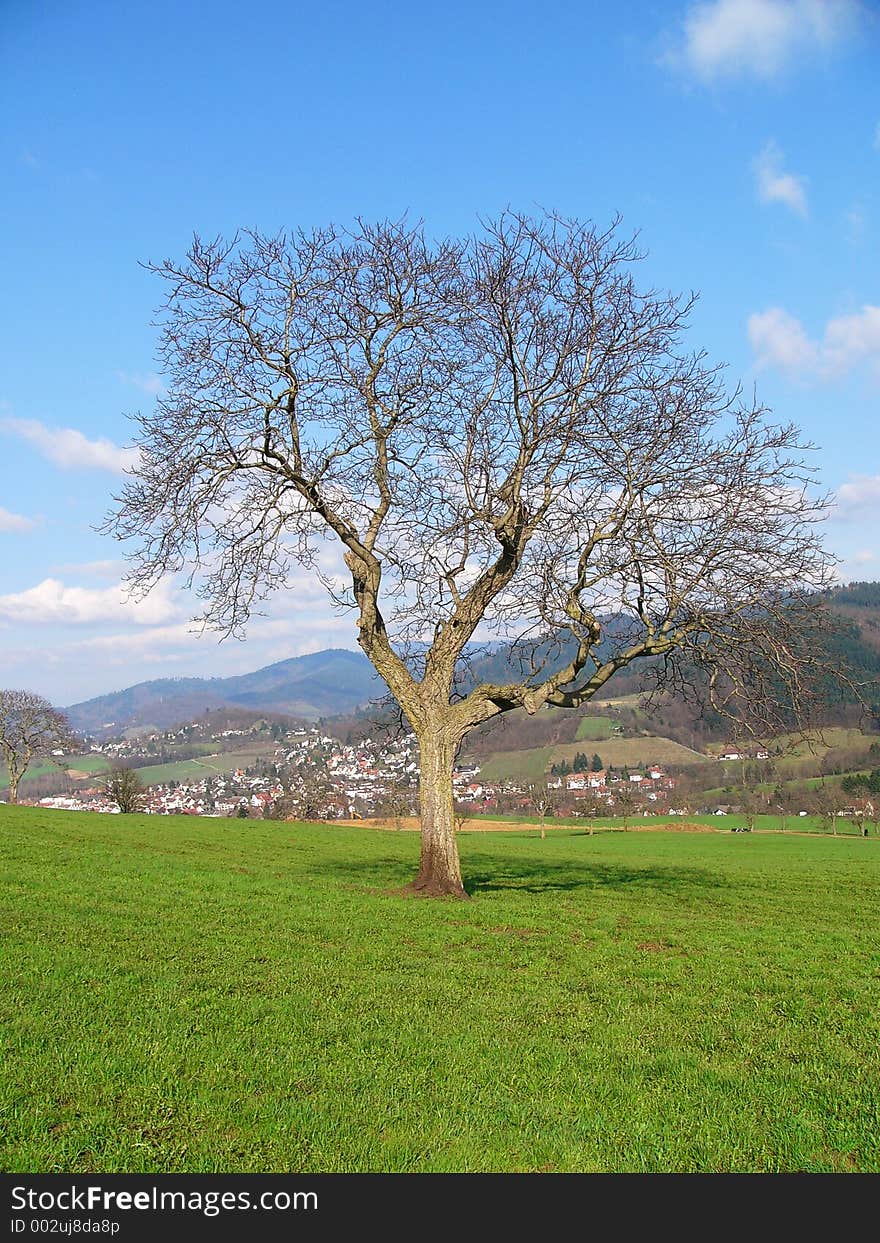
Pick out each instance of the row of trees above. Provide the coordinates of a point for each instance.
(580, 764)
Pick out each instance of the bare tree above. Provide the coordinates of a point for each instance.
(125, 788)
(29, 728)
(543, 803)
(750, 807)
(625, 802)
(592, 807)
(500, 432)
(782, 806)
(396, 804)
(309, 796)
(825, 802)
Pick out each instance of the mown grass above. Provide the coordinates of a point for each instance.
(82, 765)
(631, 752)
(595, 727)
(203, 995)
(534, 764)
(531, 765)
(199, 769)
(209, 765)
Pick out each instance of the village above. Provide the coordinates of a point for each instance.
(306, 773)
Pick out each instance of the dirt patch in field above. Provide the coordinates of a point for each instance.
(659, 947)
(409, 824)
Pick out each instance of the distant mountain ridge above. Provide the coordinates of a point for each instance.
(320, 684)
(337, 681)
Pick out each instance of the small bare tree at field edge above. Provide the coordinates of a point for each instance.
(30, 728)
(124, 786)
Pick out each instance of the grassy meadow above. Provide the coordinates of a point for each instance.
(210, 764)
(534, 764)
(183, 994)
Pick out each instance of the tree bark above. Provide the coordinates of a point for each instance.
(439, 868)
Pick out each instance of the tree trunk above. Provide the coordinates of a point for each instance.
(13, 786)
(439, 867)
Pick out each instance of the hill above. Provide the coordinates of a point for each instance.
(321, 684)
(337, 682)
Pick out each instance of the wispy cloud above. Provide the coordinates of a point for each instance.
(774, 185)
(15, 522)
(860, 493)
(91, 569)
(151, 383)
(780, 340)
(850, 339)
(161, 641)
(69, 448)
(724, 39)
(52, 601)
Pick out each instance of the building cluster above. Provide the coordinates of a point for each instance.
(221, 795)
(308, 773)
(609, 790)
(305, 769)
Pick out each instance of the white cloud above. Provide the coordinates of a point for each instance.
(151, 384)
(15, 522)
(780, 340)
(861, 492)
(51, 601)
(864, 556)
(776, 186)
(69, 448)
(759, 38)
(851, 338)
(163, 642)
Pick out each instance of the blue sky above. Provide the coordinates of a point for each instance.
(741, 137)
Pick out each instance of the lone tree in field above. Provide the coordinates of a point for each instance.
(30, 728)
(125, 788)
(501, 432)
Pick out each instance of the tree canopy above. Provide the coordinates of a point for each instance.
(29, 728)
(125, 788)
(506, 436)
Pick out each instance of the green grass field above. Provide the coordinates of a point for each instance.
(197, 995)
(633, 751)
(79, 765)
(207, 766)
(531, 765)
(595, 727)
(155, 774)
(535, 764)
(800, 758)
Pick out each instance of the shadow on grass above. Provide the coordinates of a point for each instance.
(544, 877)
(487, 875)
